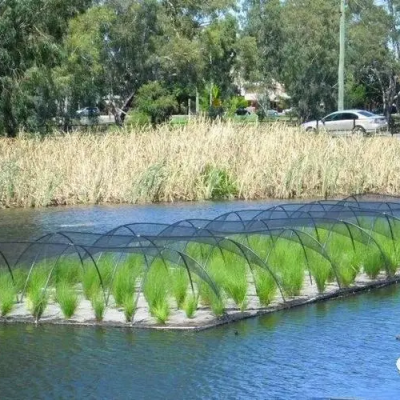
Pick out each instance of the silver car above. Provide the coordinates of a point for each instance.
(355, 121)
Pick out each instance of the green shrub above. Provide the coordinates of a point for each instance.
(218, 183)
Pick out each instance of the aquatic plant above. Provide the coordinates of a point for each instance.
(68, 272)
(156, 290)
(190, 305)
(229, 272)
(288, 262)
(179, 285)
(37, 300)
(38, 277)
(106, 266)
(20, 276)
(90, 282)
(265, 286)
(129, 305)
(98, 304)
(210, 299)
(7, 294)
(124, 281)
(67, 298)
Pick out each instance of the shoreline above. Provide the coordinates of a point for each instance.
(203, 319)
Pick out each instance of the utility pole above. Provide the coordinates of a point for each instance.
(341, 55)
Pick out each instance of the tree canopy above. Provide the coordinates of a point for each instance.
(57, 56)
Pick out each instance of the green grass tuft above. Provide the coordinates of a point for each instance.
(190, 305)
(90, 282)
(67, 298)
(124, 282)
(179, 285)
(98, 304)
(38, 299)
(265, 286)
(156, 290)
(129, 307)
(7, 294)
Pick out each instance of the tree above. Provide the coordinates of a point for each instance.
(155, 101)
(31, 34)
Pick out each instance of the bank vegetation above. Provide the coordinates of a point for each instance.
(199, 161)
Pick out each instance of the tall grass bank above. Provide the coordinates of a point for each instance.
(195, 162)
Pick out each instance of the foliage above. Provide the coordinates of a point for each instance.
(218, 183)
(190, 305)
(98, 304)
(67, 298)
(156, 102)
(7, 294)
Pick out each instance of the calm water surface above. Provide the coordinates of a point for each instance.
(339, 349)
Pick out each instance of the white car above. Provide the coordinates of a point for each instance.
(355, 121)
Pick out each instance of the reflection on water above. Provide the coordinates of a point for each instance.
(326, 350)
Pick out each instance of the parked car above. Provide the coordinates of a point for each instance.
(355, 121)
(272, 114)
(88, 112)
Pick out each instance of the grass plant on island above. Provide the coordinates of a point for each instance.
(190, 305)
(287, 259)
(129, 305)
(90, 282)
(179, 285)
(98, 304)
(124, 282)
(156, 289)
(266, 287)
(7, 294)
(67, 298)
(229, 272)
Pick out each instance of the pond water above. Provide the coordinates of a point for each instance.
(343, 348)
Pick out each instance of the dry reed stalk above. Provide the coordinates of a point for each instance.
(169, 164)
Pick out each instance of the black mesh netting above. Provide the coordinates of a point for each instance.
(333, 241)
